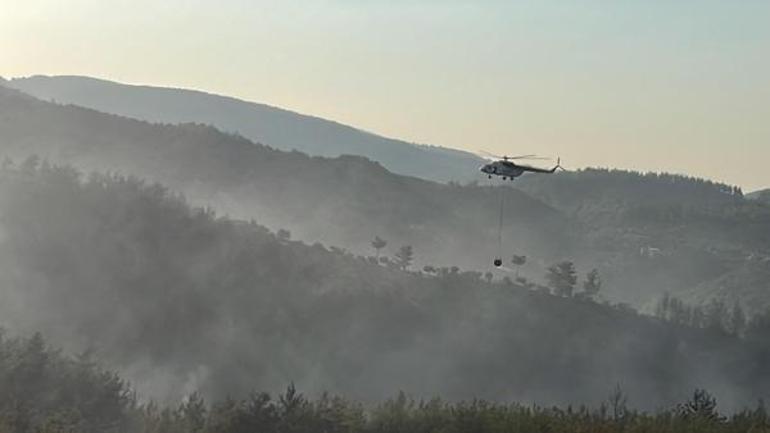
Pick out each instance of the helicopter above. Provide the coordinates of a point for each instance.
(506, 168)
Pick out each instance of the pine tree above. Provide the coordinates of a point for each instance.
(592, 284)
(618, 402)
(192, 413)
(716, 315)
(378, 244)
(702, 406)
(562, 277)
(283, 235)
(737, 320)
(518, 261)
(404, 257)
(488, 276)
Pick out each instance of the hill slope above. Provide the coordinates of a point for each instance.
(180, 299)
(647, 234)
(279, 128)
(763, 195)
(667, 231)
(344, 201)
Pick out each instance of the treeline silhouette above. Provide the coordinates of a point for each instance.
(717, 316)
(181, 299)
(293, 412)
(44, 391)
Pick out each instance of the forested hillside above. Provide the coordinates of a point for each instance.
(181, 300)
(344, 201)
(276, 127)
(670, 232)
(647, 234)
(660, 209)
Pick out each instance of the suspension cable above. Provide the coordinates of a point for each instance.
(500, 224)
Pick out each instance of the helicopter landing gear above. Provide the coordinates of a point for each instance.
(489, 176)
(505, 178)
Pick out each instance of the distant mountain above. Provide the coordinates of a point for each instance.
(261, 123)
(180, 300)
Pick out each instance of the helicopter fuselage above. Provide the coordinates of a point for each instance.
(505, 169)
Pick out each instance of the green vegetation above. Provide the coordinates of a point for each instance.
(562, 278)
(292, 412)
(646, 233)
(714, 316)
(178, 297)
(649, 233)
(592, 284)
(44, 391)
(378, 244)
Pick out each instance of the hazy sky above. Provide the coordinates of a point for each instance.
(674, 85)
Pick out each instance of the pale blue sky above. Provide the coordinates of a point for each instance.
(675, 85)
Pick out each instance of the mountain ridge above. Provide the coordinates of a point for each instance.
(281, 128)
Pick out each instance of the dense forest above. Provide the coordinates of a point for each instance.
(179, 299)
(652, 233)
(46, 391)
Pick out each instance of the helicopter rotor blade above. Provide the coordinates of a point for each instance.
(505, 157)
(533, 157)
